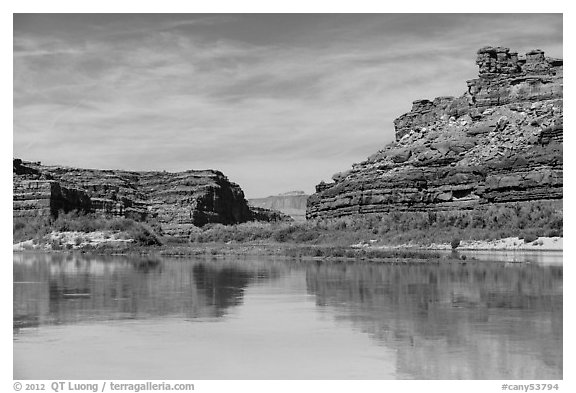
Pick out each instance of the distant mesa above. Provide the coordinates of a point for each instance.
(179, 202)
(293, 193)
(500, 142)
(291, 203)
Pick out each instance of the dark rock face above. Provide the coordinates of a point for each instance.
(36, 193)
(177, 201)
(501, 141)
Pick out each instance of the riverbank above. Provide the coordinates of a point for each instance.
(505, 250)
(352, 238)
(93, 243)
(75, 240)
(506, 244)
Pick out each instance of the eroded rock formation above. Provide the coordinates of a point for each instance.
(500, 142)
(36, 193)
(177, 201)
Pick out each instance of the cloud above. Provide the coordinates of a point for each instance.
(177, 95)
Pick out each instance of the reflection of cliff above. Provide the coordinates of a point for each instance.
(475, 321)
(224, 287)
(60, 289)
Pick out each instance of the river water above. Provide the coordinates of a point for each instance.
(80, 317)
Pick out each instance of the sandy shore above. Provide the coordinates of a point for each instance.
(506, 244)
(73, 240)
(80, 240)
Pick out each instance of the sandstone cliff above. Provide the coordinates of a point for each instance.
(500, 142)
(177, 201)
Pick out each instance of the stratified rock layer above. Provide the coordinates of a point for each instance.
(177, 201)
(499, 142)
(38, 194)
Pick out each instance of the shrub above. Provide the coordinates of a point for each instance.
(120, 224)
(455, 243)
(280, 236)
(56, 244)
(304, 236)
(529, 237)
(336, 252)
(18, 225)
(143, 236)
(29, 228)
(340, 225)
(284, 233)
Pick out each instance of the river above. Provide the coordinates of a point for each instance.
(96, 317)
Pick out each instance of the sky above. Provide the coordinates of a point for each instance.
(277, 102)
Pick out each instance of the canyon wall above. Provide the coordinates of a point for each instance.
(500, 142)
(178, 202)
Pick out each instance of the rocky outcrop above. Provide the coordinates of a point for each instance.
(291, 203)
(36, 194)
(181, 201)
(500, 142)
(178, 202)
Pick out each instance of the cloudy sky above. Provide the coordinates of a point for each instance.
(276, 102)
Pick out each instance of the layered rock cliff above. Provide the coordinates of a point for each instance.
(177, 201)
(500, 142)
(37, 194)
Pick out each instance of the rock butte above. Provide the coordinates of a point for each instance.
(179, 202)
(500, 142)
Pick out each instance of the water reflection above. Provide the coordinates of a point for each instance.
(224, 287)
(453, 321)
(474, 320)
(63, 289)
(520, 256)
